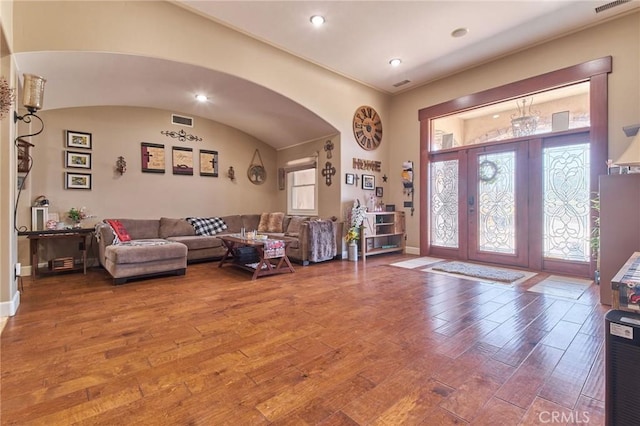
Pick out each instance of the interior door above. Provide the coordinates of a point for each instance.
(497, 208)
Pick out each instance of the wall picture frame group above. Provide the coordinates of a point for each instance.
(77, 160)
(349, 178)
(74, 180)
(368, 182)
(78, 139)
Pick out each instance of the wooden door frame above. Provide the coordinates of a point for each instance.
(594, 71)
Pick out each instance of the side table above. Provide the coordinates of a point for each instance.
(35, 237)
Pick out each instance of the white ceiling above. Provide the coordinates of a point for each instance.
(359, 38)
(357, 41)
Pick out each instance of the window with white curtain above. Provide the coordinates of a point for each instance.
(302, 191)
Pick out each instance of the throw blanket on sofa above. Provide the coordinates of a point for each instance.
(322, 240)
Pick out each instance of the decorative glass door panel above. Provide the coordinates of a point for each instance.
(444, 204)
(566, 202)
(497, 204)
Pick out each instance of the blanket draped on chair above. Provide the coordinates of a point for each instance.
(322, 241)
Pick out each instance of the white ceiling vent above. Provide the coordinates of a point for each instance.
(401, 83)
(610, 5)
(181, 120)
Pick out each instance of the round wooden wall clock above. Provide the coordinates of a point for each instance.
(367, 127)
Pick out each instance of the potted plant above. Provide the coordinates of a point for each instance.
(353, 233)
(76, 216)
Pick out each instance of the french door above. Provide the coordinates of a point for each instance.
(524, 203)
(497, 204)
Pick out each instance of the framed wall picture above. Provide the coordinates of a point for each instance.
(152, 155)
(208, 163)
(349, 178)
(379, 191)
(182, 160)
(78, 139)
(77, 180)
(77, 160)
(368, 182)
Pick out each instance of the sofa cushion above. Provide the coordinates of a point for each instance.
(234, 223)
(294, 243)
(264, 220)
(148, 250)
(198, 242)
(250, 221)
(271, 222)
(207, 225)
(141, 228)
(175, 227)
(295, 224)
(119, 229)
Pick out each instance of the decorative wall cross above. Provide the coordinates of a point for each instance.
(328, 147)
(328, 172)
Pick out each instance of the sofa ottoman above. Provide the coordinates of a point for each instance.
(144, 257)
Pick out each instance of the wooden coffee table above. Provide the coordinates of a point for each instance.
(269, 264)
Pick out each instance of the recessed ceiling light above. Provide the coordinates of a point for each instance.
(202, 98)
(496, 115)
(459, 32)
(317, 20)
(395, 62)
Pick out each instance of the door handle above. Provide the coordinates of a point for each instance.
(471, 200)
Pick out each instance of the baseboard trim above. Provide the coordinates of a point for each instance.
(26, 271)
(9, 309)
(412, 250)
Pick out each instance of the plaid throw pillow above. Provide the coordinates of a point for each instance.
(207, 225)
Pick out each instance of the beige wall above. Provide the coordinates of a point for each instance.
(163, 30)
(9, 295)
(328, 195)
(619, 38)
(119, 131)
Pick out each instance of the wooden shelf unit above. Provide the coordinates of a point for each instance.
(382, 232)
(65, 264)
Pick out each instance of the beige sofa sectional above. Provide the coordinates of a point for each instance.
(167, 245)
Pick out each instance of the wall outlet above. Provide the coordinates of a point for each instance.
(18, 269)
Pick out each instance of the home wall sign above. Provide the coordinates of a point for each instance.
(328, 172)
(371, 165)
(182, 136)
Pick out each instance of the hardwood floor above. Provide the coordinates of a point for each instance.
(333, 344)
